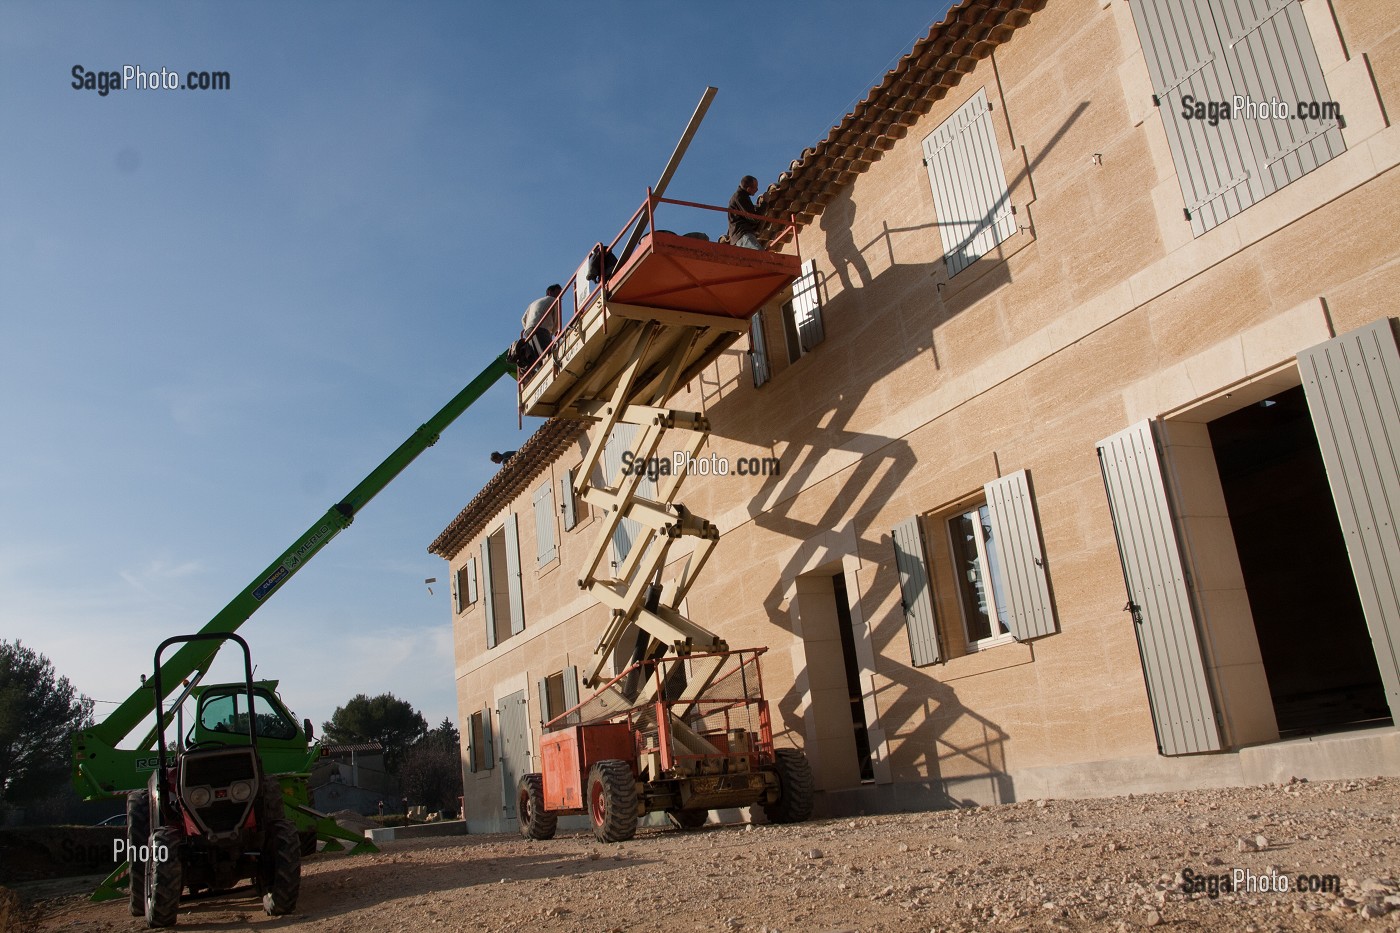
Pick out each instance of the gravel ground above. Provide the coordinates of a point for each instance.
(1107, 864)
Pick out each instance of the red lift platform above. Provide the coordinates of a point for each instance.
(702, 293)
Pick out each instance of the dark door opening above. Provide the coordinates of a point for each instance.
(848, 653)
(1317, 652)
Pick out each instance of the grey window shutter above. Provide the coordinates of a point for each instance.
(488, 592)
(471, 580)
(456, 590)
(513, 578)
(569, 500)
(969, 184)
(1271, 57)
(807, 307)
(1211, 52)
(621, 441)
(758, 350)
(546, 714)
(471, 745)
(487, 740)
(571, 691)
(915, 593)
(1169, 644)
(1017, 537)
(1353, 387)
(545, 547)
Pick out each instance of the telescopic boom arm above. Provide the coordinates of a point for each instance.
(100, 768)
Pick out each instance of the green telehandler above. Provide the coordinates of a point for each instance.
(101, 769)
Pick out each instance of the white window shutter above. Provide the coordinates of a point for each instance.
(758, 350)
(471, 744)
(471, 580)
(916, 595)
(1352, 384)
(545, 547)
(807, 307)
(514, 581)
(1017, 535)
(570, 690)
(487, 740)
(488, 592)
(1169, 644)
(546, 714)
(569, 500)
(1211, 52)
(970, 197)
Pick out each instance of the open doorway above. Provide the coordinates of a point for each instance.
(1316, 650)
(838, 737)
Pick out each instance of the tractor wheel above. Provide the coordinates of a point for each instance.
(612, 800)
(138, 835)
(308, 839)
(282, 871)
(794, 803)
(164, 878)
(689, 819)
(535, 821)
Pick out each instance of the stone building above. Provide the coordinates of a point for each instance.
(1087, 412)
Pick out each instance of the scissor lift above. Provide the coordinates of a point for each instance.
(651, 739)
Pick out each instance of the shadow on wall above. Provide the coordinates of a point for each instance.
(876, 324)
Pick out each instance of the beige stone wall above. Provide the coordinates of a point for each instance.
(1101, 310)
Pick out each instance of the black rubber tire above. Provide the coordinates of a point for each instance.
(535, 821)
(794, 803)
(138, 835)
(612, 800)
(309, 839)
(689, 819)
(282, 871)
(164, 878)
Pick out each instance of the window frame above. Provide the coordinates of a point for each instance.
(988, 567)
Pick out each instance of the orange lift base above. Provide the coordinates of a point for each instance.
(701, 293)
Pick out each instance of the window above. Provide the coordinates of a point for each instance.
(802, 316)
(501, 594)
(546, 548)
(969, 185)
(464, 586)
(228, 712)
(758, 350)
(989, 568)
(1213, 54)
(975, 566)
(558, 694)
(480, 751)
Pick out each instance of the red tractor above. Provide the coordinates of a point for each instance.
(682, 735)
(210, 817)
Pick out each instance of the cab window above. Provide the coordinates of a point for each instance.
(228, 712)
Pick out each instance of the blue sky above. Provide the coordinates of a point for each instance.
(222, 309)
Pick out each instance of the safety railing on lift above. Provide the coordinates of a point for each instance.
(603, 261)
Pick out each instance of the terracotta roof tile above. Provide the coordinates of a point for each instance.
(534, 456)
(970, 31)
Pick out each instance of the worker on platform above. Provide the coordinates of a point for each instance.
(535, 332)
(743, 231)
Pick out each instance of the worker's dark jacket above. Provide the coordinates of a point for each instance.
(741, 225)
